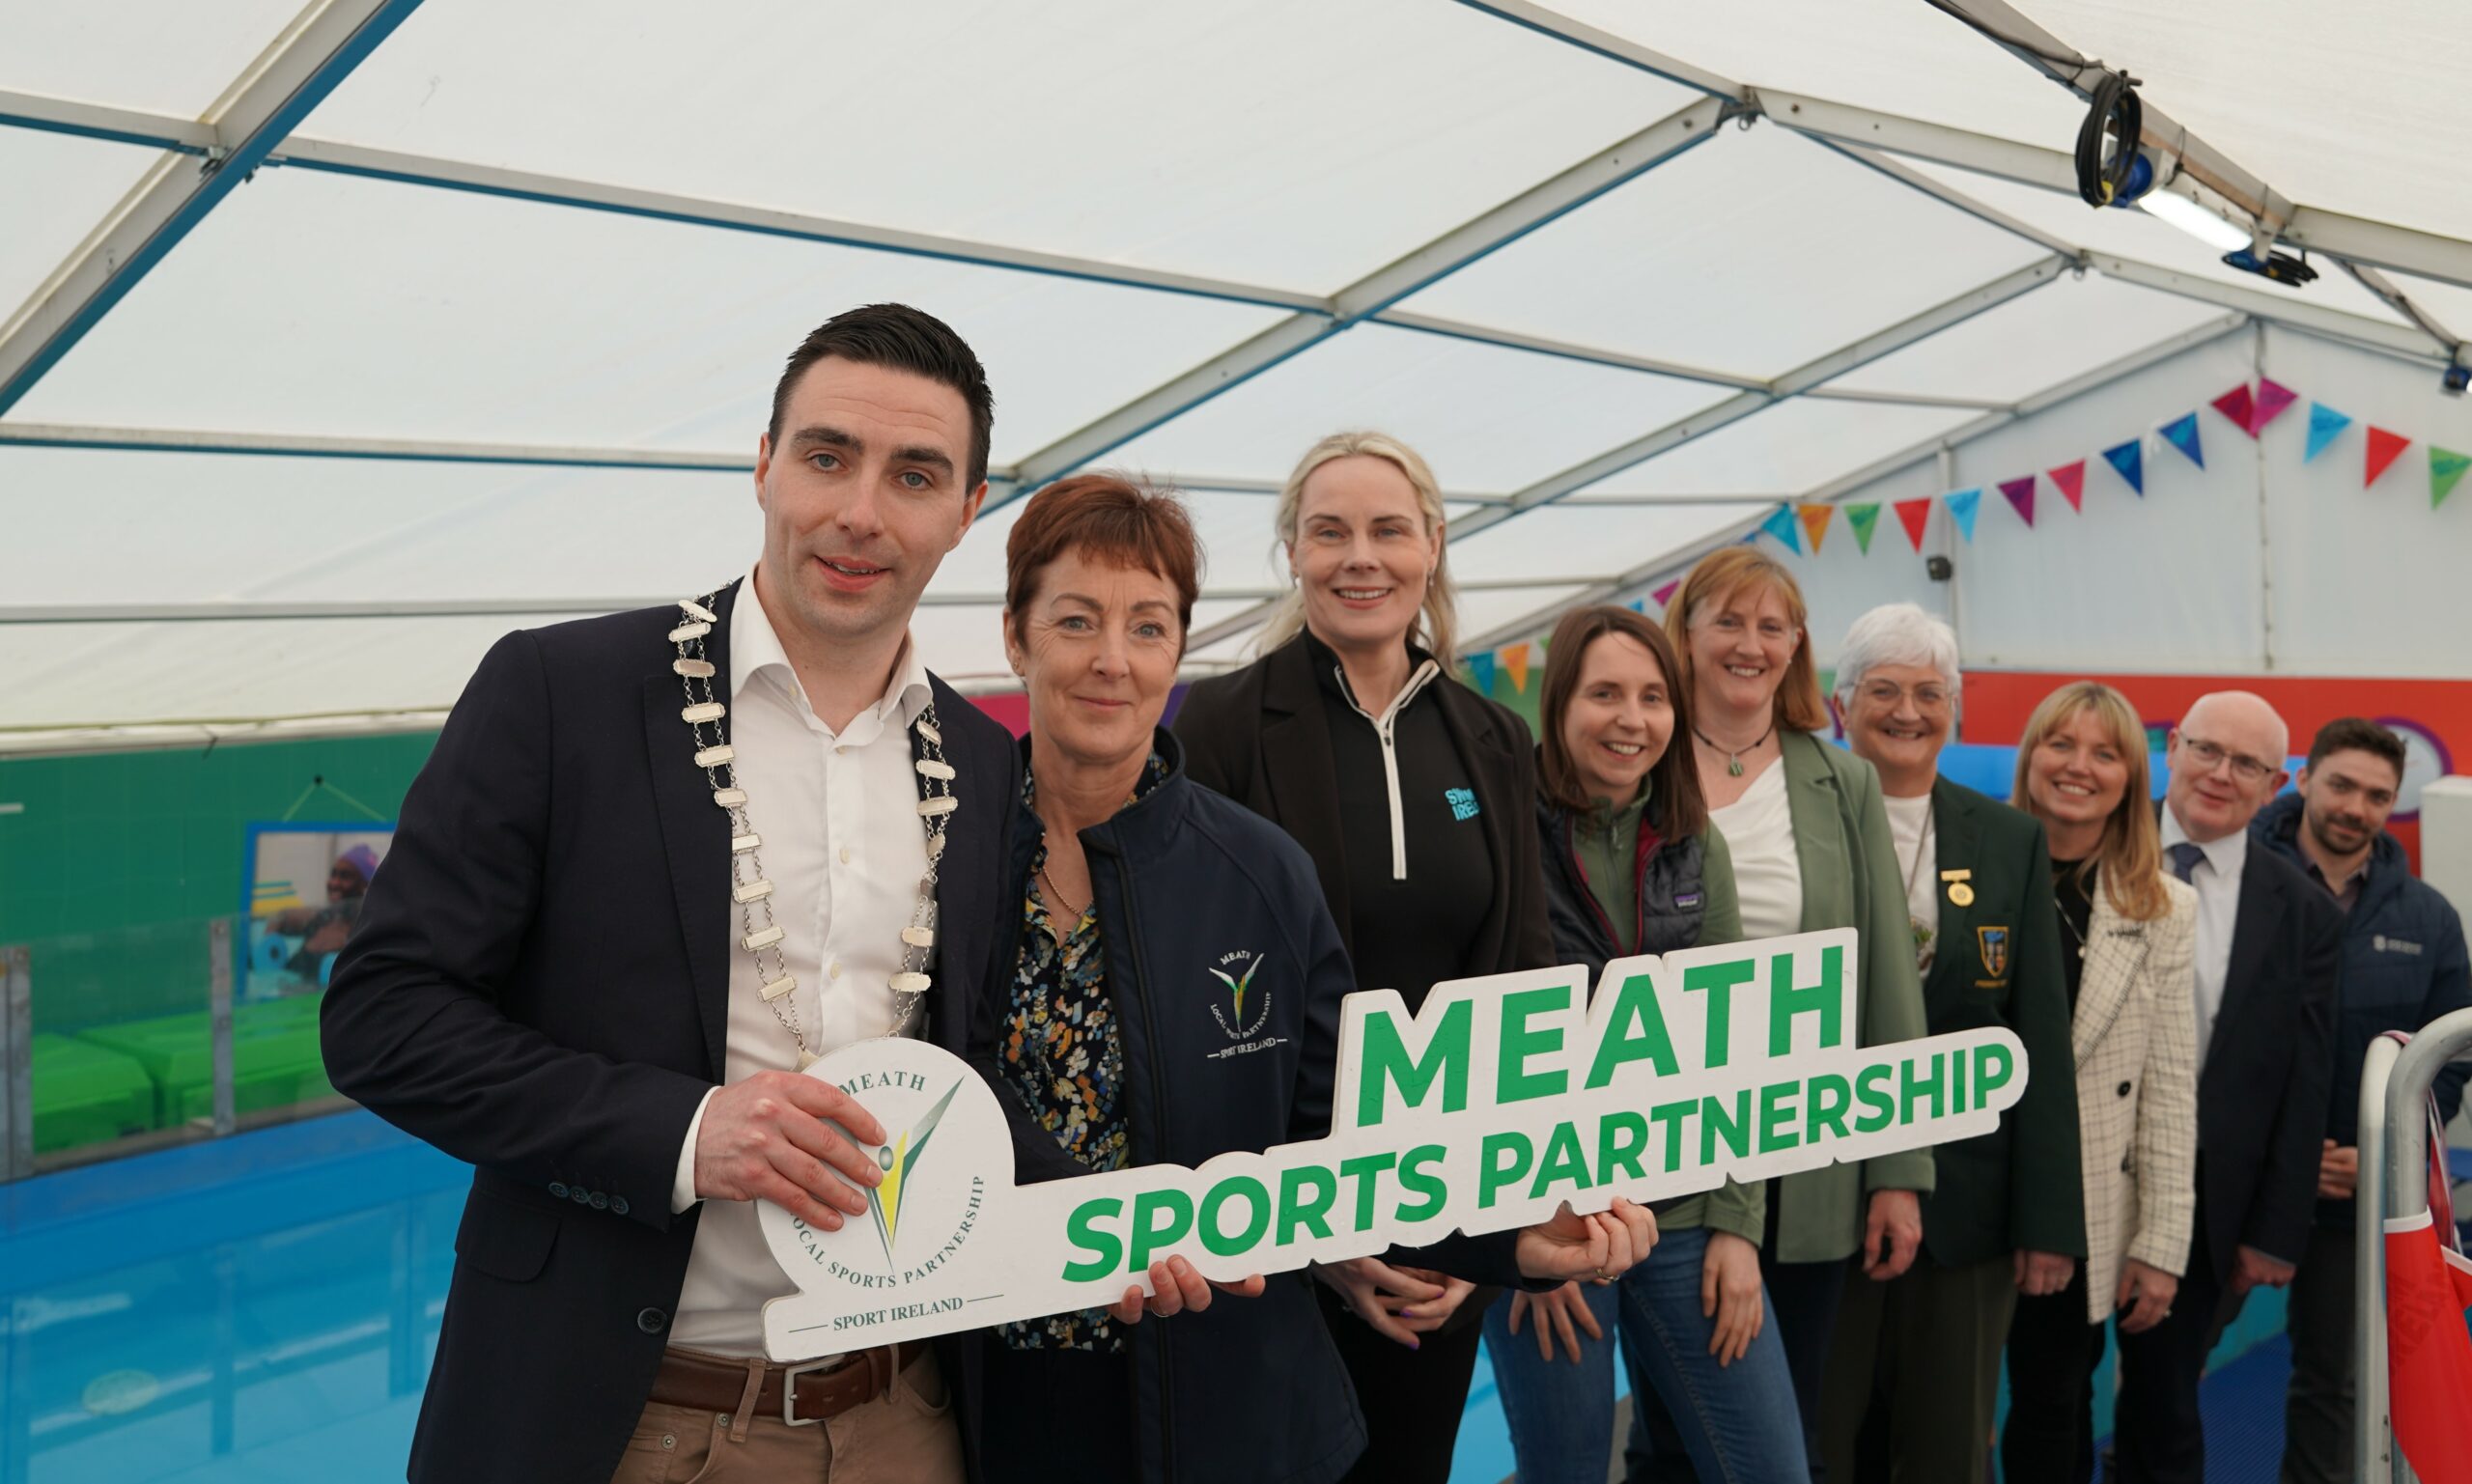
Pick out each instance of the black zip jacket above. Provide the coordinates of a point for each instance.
(1187, 881)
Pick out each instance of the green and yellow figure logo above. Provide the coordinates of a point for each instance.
(1236, 971)
(899, 1160)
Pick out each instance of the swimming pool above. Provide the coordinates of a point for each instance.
(262, 1310)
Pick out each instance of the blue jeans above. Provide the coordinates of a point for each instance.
(1561, 1414)
(1738, 1424)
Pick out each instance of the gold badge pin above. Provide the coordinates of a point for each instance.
(1961, 894)
(1960, 874)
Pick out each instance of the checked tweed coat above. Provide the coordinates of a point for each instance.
(2134, 1034)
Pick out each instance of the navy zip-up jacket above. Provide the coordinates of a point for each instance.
(2405, 964)
(1187, 881)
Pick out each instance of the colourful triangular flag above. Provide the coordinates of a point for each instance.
(2236, 405)
(2071, 480)
(2129, 458)
(1816, 520)
(1664, 594)
(1515, 660)
(1961, 505)
(2384, 448)
(1639, 605)
(2181, 432)
(1780, 525)
(1480, 672)
(2272, 398)
(2324, 423)
(2021, 495)
(2446, 466)
(1916, 514)
(1862, 517)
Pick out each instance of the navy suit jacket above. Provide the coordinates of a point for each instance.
(539, 986)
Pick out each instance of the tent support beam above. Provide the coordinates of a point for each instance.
(1796, 383)
(1673, 562)
(1607, 170)
(280, 88)
(2377, 245)
(2281, 306)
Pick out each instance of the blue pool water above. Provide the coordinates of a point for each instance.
(262, 1310)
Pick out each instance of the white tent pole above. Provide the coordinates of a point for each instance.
(1583, 182)
(1801, 380)
(290, 77)
(1673, 562)
(2281, 305)
(2380, 244)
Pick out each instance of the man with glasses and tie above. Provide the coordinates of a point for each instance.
(2268, 950)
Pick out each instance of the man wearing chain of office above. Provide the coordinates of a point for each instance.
(658, 863)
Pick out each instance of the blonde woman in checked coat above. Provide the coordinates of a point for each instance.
(2127, 942)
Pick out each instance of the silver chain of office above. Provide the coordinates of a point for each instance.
(749, 886)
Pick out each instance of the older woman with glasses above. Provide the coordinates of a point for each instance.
(1127, 877)
(2128, 933)
(1914, 1375)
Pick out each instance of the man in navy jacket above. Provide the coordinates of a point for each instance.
(2405, 966)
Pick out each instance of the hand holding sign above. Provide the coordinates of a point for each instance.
(1518, 1100)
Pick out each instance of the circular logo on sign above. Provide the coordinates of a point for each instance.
(945, 1158)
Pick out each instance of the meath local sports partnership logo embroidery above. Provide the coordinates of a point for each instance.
(1247, 1009)
(899, 1160)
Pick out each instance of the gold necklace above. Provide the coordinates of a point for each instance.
(752, 890)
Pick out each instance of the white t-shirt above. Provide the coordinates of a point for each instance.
(1918, 842)
(1768, 875)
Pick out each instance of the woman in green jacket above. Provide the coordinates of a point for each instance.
(1810, 841)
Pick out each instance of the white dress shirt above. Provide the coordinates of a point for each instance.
(1915, 831)
(1768, 875)
(844, 849)
(2217, 880)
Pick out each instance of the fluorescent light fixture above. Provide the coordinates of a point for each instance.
(2195, 220)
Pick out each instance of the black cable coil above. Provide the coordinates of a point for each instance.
(2116, 108)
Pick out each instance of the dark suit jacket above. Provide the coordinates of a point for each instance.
(2262, 1096)
(538, 987)
(1997, 961)
(1258, 736)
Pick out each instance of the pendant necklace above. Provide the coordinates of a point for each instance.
(749, 888)
(1733, 760)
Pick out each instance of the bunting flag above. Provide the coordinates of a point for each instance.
(2446, 466)
(1816, 522)
(1480, 672)
(2384, 448)
(1664, 594)
(2021, 495)
(1916, 515)
(2273, 397)
(2071, 480)
(2324, 424)
(1962, 507)
(1780, 525)
(2181, 432)
(1639, 605)
(2129, 458)
(1862, 517)
(2238, 406)
(1515, 660)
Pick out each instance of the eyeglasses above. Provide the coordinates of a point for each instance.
(2209, 756)
(1927, 697)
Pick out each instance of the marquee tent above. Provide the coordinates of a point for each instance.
(347, 337)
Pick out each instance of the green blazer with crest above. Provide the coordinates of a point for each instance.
(1849, 881)
(1997, 961)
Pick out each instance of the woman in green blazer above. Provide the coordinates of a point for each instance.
(1811, 846)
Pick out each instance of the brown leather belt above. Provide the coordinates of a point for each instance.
(800, 1395)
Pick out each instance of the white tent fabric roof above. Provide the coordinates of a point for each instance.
(484, 333)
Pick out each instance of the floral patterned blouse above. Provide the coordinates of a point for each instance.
(1063, 1054)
